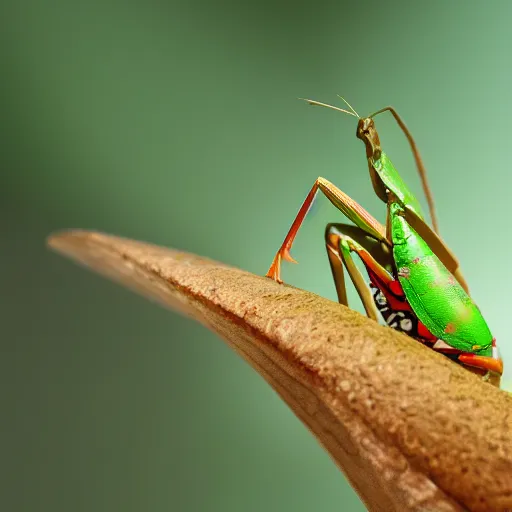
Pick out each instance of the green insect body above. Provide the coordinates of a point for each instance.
(435, 296)
(437, 299)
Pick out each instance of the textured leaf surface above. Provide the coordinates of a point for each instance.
(410, 429)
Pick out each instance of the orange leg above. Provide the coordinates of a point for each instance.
(492, 364)
(352, 210)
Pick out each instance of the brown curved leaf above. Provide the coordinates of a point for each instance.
(411, 430)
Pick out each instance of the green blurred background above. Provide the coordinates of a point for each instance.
(177, 123)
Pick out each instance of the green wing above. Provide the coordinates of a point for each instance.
(434, 294)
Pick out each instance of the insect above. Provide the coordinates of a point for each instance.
(415, 282)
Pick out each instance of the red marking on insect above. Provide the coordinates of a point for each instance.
(416, 260)
(396, 288)
(404, 272)
(452, 280)
(393, 293)
(450, 328)
(425, 333)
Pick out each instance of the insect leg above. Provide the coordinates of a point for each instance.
(352, 210)
(494, 364)
(341, 240)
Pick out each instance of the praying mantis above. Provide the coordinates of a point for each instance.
(415, 281)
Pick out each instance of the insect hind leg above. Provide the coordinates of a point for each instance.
(343, 239)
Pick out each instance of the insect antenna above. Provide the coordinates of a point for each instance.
(419, 164)
(317, 103)
(348, 105)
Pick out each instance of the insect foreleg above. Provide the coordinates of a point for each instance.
(352, 210)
